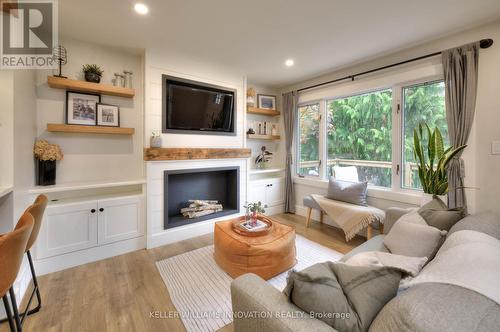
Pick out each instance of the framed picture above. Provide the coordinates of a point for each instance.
(108, 115)
(81, 108)
(267, 102)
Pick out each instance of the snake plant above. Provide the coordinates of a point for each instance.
(434, 160)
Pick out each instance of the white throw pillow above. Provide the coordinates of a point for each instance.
(407, 264)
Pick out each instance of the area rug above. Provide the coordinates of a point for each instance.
(200, 289)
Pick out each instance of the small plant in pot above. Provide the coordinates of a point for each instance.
(92, 72)
(253, 210)
(433, 160)
(46, 155)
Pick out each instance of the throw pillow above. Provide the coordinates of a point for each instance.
(406, 264)
(437, 214)
(345, 297)
(413, 217)
(349, 192)
(415, 240)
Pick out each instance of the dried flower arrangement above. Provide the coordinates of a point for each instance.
(45, 151)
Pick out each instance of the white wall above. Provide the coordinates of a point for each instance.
(89, 157)
(481, 165)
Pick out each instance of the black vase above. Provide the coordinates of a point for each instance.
(92, 77)
(46, 172)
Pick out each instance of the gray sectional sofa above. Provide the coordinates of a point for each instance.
(425, 307)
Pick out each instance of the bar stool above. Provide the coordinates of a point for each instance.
(12, 248)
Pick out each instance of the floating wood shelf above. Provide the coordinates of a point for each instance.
(63, 128)
(156, 154)
(262, 111)
(268, 137)
(82, 86)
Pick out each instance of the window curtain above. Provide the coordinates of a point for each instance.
(460, 66)
(290, 101)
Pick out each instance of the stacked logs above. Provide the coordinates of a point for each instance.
(199, 207)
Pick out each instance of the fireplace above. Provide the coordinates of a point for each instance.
(218, 183)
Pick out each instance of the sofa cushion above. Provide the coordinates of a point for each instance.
(349, 192)
(343, 296)
(414, 239)
(437, 214)
(486, 222)
(376, 243)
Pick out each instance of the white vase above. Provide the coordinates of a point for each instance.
(426, 198)
(155, 142)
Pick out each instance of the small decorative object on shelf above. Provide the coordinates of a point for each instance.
(274, 130)
(267, 101)
(250, 131)
(127, 82)
(108, 115)
(252, 212)
(119, 80)
(263, 158)
(81, 108)
(60, 55)
(93, 73)
(46, 155)
(251, 97)
(155, 140)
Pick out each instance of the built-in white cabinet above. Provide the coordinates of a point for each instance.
(72, 226)
(270, 191)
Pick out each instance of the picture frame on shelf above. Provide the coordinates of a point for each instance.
(267, 102)
(81, 108)
(108, 115)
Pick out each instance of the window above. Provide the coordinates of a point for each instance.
(422, 103)
(308, 147)
(359, 130)
(368, 136)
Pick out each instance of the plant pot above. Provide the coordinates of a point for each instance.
(426, 198)
(45, 172)
(155, 141)
(92, 77)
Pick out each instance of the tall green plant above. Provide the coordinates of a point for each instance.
(434, 160)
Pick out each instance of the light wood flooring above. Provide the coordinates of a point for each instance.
(118, 294)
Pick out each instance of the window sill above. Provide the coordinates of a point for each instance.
(402, 196)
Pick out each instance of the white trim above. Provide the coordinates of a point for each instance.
(83, 186)
(264, 171)
(6, 190)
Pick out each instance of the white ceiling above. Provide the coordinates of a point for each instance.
(256, 36)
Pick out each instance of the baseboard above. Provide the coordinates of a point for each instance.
(72, 259)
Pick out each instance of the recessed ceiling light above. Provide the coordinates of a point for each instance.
(289, 63)
(141, 8)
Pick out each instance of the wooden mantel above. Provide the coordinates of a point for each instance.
(158, 154)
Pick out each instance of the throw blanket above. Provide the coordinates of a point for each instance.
(468, 259)
(406, 264)
(351, 218)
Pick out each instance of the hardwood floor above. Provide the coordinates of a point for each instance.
(118, 294)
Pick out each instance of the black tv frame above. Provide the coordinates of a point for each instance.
(195, 84)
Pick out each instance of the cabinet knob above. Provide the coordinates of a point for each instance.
(93, 210)
(101, 209)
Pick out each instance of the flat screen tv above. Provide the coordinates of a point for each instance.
(191, 107)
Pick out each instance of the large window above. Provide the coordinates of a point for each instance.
(359, 137)
(369, 136)
(309, 131)
(422, 103)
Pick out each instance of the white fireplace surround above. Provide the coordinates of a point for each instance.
(156, 234)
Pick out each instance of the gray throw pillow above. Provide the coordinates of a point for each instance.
(349, 192)
(345, 297)
(414, 239)
(437, 214)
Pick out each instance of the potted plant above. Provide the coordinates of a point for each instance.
(46, 155)
(253, 210)
(263, 158)
(93, 73)
(433, 160)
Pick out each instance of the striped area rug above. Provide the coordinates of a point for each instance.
(200, 289)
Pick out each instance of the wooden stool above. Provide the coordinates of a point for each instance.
(12, 248)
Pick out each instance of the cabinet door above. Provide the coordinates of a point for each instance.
(275, 194)
(120, 219)
(256, 192)
(66, 228)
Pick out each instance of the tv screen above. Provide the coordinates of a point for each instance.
(195, 107)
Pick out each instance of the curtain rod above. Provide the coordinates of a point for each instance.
(483, 43)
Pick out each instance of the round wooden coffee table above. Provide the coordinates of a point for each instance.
(267, 255)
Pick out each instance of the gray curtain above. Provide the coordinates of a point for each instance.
(290, 101)
(460, 66)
